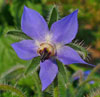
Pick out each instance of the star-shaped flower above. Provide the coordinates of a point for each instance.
(48, 44)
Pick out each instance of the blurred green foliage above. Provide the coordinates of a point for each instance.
(10, 19)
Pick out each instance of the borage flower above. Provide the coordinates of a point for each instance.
(84, 74)
(48, 44)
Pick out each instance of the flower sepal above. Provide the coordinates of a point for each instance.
(82, 51)
(53, 15)
(17, 35)
(33, 66)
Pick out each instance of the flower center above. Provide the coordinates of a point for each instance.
(45, 51)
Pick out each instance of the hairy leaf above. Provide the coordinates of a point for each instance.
(18, 34)
(53, 16)
(81, 50)
(12, 89)
(33, 66)
(14, 73)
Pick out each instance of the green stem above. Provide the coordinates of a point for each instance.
(88, 80)
(12, 89)
(79, 90)
(93, 71)
(37, 84)
(55, 90)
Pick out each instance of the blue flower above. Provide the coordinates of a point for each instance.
(82, 74)
(48, 44)
(86, 73)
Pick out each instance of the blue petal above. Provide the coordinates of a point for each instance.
(33, 24)
(48, 71)
(68, 56)
(65, 30)
(76, 78)
(25, 49)
(86, 73)
(92, 82)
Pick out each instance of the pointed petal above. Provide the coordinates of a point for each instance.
(48, 71)
(33, 24)
(65, 30)
(25, 49)
(68, 56)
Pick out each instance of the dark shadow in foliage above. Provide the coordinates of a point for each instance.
(30, 92)
(6, 15)
(87, 35)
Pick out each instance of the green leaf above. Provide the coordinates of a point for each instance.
(97, 68)
(31, 82)
(82, 87)
(14, 73)
(63, 71)
(18, 35)
(55, 88)
(33, 66)
(37, 84)
(81, 50)
(61, 86)
(12, 89)
(8, 56)
(80, 91)
(94, 92)
(62, 79)
(53, 16)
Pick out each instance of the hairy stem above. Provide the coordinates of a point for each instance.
(55, 90)
(93, 71)
(37, 84)
(88, 80)
(11, 89)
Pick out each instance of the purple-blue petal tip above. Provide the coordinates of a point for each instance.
(91, 65)
(43, 89)
(68, 25)
(25, 49)
(75, 12)
(25, 6)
